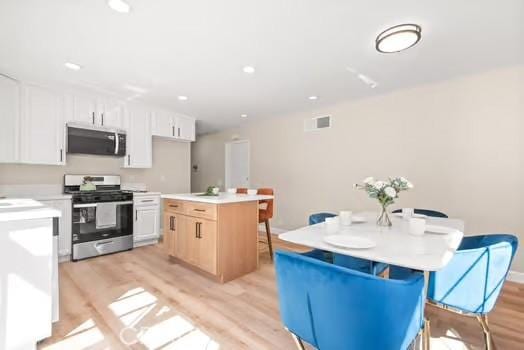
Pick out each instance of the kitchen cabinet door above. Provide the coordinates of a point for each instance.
(42, 126)
(9, 119)
(64, 228)
(146, 224)
(110, 113)
(163, 124)
(139, 138)
(168, 233)
(207, 245)
(83, 109)
(185, 128)
(184, 239)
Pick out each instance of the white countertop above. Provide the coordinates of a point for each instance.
(14, 209)
(394, 245)
(222, 198)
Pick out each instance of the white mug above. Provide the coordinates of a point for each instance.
(417, 226)
(345, 217)
(252, 192)
(231, 190)
(216, 190)
(407, 213)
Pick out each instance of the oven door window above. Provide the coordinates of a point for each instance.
(91, 223)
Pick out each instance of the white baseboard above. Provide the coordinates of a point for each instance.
(274, 230)
(515, 276)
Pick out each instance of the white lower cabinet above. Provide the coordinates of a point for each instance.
(139, 138)
(42, 127)
(146, 226)
(64, 229)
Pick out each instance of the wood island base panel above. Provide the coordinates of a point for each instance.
(218, 240)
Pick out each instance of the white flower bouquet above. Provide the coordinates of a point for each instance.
(385, 192)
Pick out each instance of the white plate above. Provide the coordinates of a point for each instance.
(420, 216)
(440, 230)
(358, 219)
(351, 242)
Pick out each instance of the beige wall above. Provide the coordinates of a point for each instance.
(170, 172)
(459, 142)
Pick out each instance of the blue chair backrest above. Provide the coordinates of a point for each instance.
(332, 307)
(473, 279)
(427, 212)
(319, 217)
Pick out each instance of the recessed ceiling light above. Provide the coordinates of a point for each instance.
(243, 116)
(398, 38)
(72, 66)
(312, 98)
(249, 69)
(182, 98)
(119, 6)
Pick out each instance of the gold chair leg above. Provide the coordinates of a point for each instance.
(298, 341)
(426, 335)
(483, 320)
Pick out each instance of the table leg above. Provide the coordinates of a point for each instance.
(426, 335)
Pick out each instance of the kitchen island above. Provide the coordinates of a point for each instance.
(214, 235)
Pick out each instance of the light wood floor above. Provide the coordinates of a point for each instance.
(173, 308)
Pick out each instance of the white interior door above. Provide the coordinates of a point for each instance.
(237, 164)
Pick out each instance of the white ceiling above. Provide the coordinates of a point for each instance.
(299, 48)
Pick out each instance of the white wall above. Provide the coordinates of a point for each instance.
(170, 172)
(459, 142)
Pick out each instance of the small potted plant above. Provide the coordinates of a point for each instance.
(385, 192)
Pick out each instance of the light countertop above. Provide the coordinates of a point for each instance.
(14, 209)
(140, 194)
(222, 198)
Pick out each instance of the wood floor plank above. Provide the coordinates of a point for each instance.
(141, 300)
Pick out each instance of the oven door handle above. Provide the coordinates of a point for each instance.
(92, 205)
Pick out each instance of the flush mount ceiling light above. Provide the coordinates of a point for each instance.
(312, 98)
(119, 6)
(398, 38)
(72, 66)
(182, 98)
(249, 69)
(243, 116)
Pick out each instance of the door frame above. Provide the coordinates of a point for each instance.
(228, 161)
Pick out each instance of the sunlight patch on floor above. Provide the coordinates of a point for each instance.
(85, 336)
(130, 302)
(195, 340)
(451, 341)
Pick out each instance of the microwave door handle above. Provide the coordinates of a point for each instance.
(117, 143)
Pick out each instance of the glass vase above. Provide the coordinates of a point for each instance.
(383, 219)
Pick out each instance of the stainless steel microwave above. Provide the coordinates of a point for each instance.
(86, 139)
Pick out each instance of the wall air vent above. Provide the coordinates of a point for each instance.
(317, 123)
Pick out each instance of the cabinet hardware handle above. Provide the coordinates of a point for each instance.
(196, 229)
(61, 155)
(178, 132)
(173, 131)
(146, 200)
(128, 159)
(102, 119)
(172, 223)
(173, 205)
(136, 215)
(93, 117)
(199, 230)
(201, 210)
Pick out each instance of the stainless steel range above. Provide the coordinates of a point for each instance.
(102, 215)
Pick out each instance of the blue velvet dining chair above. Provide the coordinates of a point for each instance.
(332, 307)
(350, 262)
(427, 212)
(471, 283)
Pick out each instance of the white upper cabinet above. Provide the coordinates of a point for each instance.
(9, 119)
(83, 109)
(93, 110)
(163, 124)
(42, 137)
(185, 128)
(110, 112)
(139, 138)
(171, 125)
